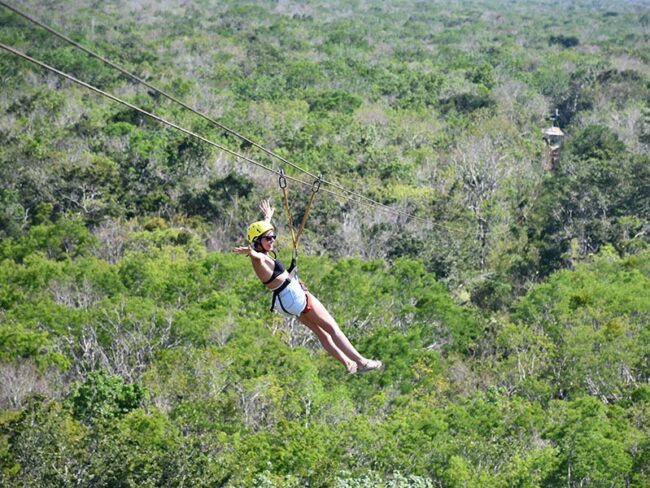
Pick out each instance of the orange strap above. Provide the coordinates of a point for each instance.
(295, 238)
(308, 305)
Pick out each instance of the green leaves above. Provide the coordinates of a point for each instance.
(595, 317)
(102, 397)
(594, 199)
(183, 374)
(17, 343)
(118, 290)
(596, 142)
(593, 440)
(66, 238)
(338, 101)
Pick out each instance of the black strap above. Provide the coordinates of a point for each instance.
(276, 294)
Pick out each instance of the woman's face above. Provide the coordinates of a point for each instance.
(267, 240)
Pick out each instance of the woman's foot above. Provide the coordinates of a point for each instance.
(352, 368)
(370, 365)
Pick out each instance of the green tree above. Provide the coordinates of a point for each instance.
(589, 199)
(593, 320)
(46, 447)
(102, 397)
(593, 442)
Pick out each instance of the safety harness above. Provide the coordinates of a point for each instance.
(295, 238)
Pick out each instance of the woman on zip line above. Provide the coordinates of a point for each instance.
(292, 300)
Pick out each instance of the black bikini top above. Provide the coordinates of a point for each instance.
(278, 269)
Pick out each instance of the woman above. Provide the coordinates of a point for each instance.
(289, 297)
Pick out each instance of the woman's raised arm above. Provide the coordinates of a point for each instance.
(267, 210)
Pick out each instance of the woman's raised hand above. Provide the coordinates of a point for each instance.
(267, 210)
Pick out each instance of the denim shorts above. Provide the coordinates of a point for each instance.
(291, 301)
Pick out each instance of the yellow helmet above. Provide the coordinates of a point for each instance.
(258, 228)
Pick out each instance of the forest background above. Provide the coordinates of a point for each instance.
(510, 307)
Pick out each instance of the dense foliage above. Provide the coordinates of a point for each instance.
(164, 368)
(512, 317)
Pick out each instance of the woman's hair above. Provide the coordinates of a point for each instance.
(257, 245)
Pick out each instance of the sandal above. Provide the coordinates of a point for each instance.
(372, 365)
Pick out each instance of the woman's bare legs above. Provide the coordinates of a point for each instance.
(330, 335)
(328, 344)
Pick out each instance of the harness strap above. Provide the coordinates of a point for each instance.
(283, 184)
(295, 237)
(278, 290)
(314, 189)
(276, 293)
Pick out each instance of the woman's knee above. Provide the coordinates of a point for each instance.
(310, 321)
(329, 327)
(321, 334)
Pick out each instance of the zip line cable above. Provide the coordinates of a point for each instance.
(192, 134)
(361, 198)
(196, 112)
(148, 114)
(141, 81)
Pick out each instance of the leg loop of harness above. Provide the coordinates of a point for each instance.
(277, 291)
(294, 301)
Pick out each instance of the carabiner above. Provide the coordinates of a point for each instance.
(316, 185)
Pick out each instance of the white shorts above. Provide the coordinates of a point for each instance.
(291, 301)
